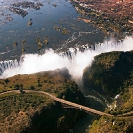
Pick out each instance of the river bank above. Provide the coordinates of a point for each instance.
(113, 19)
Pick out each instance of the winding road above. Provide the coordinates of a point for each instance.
(77, 106)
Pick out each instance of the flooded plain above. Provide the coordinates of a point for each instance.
(42, 25)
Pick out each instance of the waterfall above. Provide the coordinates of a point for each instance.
(74, 59)
(70, 54)
(4, 65)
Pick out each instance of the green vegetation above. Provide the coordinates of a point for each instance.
(45, 41)
(64, 30)
(124, 103)
(16, 110)
(57, 28)
(23, 50)
(23, 41)
(112, 74)
(40, 45)
(53, 82)
(35, 112)
(112, 24)
(111, 125)
(19, 102)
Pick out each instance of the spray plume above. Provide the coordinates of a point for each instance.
(49, 61)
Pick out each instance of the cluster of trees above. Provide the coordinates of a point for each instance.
(111, 124)
(43, 115)
(112, 74)
(109, 23)
(16, 102)
(109, 72)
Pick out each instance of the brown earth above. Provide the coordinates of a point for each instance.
(109, 15)
(112, 7)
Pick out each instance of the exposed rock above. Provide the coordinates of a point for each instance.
(37, 113)
(29, 23)
(46, 41)
(54, 5)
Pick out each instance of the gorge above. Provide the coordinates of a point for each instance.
(76, 51)
(74, 60)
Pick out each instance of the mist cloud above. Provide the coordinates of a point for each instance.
(49, 61)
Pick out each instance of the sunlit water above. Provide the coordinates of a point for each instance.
(44, 21)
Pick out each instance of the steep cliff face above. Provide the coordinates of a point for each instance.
(52, 118)
(109, 73)
(122, 121)
(37, 113)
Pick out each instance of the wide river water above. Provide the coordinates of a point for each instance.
(47, 24)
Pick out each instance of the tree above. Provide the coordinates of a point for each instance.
(6, 81)
(16, 86)
(32, 87)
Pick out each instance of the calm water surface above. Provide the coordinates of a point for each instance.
(43, 25)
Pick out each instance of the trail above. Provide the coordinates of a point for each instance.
(77, 106)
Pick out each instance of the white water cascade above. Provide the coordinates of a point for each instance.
(10, 64)
(73, 59)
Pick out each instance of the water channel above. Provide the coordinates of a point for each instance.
(48, 23)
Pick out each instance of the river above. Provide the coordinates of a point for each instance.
(48, 23)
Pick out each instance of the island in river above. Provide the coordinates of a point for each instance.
(28, 110)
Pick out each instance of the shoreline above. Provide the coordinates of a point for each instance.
(110, 24)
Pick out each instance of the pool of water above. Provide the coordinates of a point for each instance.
(44, 26)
